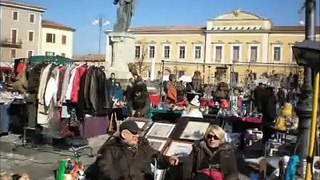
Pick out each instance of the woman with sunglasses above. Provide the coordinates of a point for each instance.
(211, 158)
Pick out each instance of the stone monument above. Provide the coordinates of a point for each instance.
(120, 42)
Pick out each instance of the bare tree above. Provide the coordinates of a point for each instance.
(140, 61)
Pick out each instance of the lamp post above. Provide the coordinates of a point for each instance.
(304, 106)
(307, 54)
(161, 86)
(100, 22)
(209, 74)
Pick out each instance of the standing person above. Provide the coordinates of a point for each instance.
(128, 91)
(118, 101)
(269, 113)
(211, 158)
(192, 109)
(181, 92)
(257, 95)
(110, 86)
(139, 102)
(281, 96)
(129, 156)
(171, 89)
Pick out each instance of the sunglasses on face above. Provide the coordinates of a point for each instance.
(211, 136)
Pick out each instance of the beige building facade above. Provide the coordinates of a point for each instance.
(20, 30)
(238, 42)
(56, 39)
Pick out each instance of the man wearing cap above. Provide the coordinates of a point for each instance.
(129, 156)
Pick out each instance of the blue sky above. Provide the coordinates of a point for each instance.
(79, 14)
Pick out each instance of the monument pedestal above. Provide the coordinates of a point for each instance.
(120, 52)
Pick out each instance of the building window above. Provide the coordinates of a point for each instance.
(235, 53)
(182, 52)
(30, 53)
(137, 52)
(50, 38)
(277, 53)
(50, 53)
(152, 51)
(253, 53)
(30, 36)
(15, 15)
(166, 52)
(218, 54)
(197, 52)
(13, 53)
(14, 34)
(180, 73)
(63, 54)
(64, 39)
(31, 18)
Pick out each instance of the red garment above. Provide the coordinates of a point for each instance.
(20, 67)
(212, 173)
(76, 83)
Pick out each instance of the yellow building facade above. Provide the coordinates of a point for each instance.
(238, 42)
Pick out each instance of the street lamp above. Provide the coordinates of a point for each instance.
(100, 22)
(307, 53)
(304, 106)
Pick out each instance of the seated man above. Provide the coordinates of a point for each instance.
(129, 156)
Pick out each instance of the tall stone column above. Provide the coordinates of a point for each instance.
(120, 52)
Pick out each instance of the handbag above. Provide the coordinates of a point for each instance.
(213, 174)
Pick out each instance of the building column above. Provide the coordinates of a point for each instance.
(153, 67)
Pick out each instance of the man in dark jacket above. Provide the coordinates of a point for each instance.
(129, 157)
(139, 102)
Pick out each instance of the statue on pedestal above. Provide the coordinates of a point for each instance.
(124, 14)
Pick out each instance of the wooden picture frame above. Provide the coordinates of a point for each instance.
(180, 148)
(160, 130)
(194, 130)
(158, 144)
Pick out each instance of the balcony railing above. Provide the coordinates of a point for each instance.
(12, 44)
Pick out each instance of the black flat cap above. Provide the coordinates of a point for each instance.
(131, 126)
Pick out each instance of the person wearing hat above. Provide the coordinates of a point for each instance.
(129, 156)
(139, 102)
(211, 157)
(192, 109)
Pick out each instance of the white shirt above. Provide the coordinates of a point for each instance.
(193, 113)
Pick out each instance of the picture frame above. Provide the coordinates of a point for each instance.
(158, 144)
(160, 130)
(180, 148)
(194, 130)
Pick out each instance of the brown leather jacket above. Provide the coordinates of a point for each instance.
(119, 161)
(201, 157)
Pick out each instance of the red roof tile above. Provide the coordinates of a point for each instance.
(55, 25)
(167, 29)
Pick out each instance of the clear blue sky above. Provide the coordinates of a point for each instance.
(79, 14)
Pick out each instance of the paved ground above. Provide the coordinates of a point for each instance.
(41, 162)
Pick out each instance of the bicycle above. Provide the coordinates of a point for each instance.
(73, 168)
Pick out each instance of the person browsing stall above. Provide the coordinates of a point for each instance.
(192, 109)
(211, 158)
(139, 102)
(129, 156)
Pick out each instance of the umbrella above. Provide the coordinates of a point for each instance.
(185, 78)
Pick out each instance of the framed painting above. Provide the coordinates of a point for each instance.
(180, 148)
(194, 130)
(160, 130)
(157, 144)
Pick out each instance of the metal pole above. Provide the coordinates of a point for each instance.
(162, 72)
(312, 136)
(304, 106)
(100, 29)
